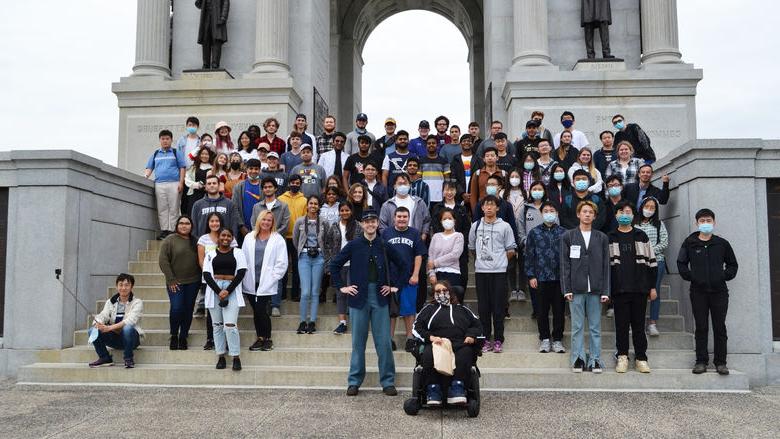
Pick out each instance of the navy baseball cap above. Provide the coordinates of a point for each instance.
(361, 116)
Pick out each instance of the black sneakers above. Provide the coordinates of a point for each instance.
(221, 363)
(410, 344)
(183, 344)
(236, 363)
(301, 328)
(102, 362)
(174, 345)
(699, 368)
(129, 363)
(352, 391)
(257, 345)
(268, 345)
(596, 367)
(311, 328)
(722, 369)
(341, 329)
(209, 346)
(579, 366)
(393, 346)
(390, 391)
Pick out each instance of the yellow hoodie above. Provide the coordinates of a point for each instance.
(297, 205)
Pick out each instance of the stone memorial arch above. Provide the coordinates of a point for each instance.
(307, 57)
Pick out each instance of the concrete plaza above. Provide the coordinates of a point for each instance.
(130, 412)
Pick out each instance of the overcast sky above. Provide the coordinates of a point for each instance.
(60, 58)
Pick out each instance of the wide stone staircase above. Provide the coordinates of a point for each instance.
(321, 360)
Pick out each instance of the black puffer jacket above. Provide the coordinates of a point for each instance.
(707, 265)
(455, 322)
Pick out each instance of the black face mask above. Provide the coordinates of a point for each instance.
(235, 166)
(294, 189)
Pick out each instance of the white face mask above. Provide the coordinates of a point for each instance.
(648, 213)
(448, 224)
(514, 181)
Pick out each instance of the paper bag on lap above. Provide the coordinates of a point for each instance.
(443, 357)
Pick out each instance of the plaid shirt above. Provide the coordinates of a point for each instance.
(324, 143)
(629, 175)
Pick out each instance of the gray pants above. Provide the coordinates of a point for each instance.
(168, 200)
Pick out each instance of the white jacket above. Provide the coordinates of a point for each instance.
(134, 310)
(211, 295)
(328, 161)
(274, 265)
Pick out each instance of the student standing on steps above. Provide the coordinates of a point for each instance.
(168, 167)
(308, 236)
(368, 293)
(445, 252)
(542, 266)
(650, 223)
(493, 244)
(178, 261)
(118, 325)
(707, 261)
(585, 284)
(266, 258)
(206, 243)
(336, 238)
(223, 271)
(633, 273)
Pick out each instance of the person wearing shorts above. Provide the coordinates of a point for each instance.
(407, 244)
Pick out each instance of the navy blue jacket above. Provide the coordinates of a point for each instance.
(543, 253)
(358, 252)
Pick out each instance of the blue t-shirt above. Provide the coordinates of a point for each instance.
(166, 165)
(290, 160)
(250, 197)
(406, 245)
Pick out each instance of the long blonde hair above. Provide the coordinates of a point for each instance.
(591, 168)
(260, 217)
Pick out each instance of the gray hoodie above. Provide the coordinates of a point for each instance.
(203, 207)
(491, 241)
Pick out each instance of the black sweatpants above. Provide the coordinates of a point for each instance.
(549, 297)
(464, 357)
(705, 306)
(630, 312)
(491, 303)
(259, 305)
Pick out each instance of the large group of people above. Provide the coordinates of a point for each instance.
(549, 218)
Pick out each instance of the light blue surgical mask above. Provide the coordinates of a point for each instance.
(706, 228)
(614, 191)
(491, 190)
(581, 185)
(192, 130)
(549, 217)
(559, 176)
(528, 166)
(625, 219)
(402, 189)
(620, 125)
(537, 195)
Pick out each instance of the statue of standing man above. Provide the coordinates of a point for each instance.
(212, 33)
(596, 14)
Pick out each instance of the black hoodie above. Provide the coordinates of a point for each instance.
(707, 265)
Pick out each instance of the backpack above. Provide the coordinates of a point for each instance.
(175, 156)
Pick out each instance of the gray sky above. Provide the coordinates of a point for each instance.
(60, 58)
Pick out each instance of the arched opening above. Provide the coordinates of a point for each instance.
(416, 66)
(353, 23)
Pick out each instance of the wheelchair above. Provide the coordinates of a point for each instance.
(419, 397)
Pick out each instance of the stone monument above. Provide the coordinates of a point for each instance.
(596, 14)
(212, 30)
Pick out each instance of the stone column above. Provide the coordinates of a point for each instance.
(272, 37)
(660, 44)
(153, 38)
(530, 29)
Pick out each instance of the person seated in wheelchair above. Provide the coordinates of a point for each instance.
(444, 317)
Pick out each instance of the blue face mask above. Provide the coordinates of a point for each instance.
(625, 219)
(706, 228)
(620, 125)
(491, 190)
(567, 123)
(529, 166)
(537, 195)
(192, 130)
(549, 217)
(614, 191)
(581, 185)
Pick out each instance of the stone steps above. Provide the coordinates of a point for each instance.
(326, 339)
(504, 378)
(511, 357)
(321, 360)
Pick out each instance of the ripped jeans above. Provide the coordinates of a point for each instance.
(225, 322)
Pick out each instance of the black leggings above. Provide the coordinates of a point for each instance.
(259, 305)
(464, 358)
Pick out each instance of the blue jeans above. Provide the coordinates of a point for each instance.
(379, 318)
(225, 323)
(655, 305)
(585, 306)
(182, 306)
(127, 339)
(310, 271)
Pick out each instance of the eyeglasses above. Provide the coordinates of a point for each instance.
(442, 290)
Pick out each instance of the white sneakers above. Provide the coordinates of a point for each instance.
(652, 330)
(558, 348)
(642, 366)
(544, 345)
(517, 296)
(622, 364)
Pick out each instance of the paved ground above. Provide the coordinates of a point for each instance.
(208, 413)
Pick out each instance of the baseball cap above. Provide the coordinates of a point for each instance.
(306, 146)
(424, 124)
(390, 120)
(273, 154)
(361, 116)
(531, 123)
